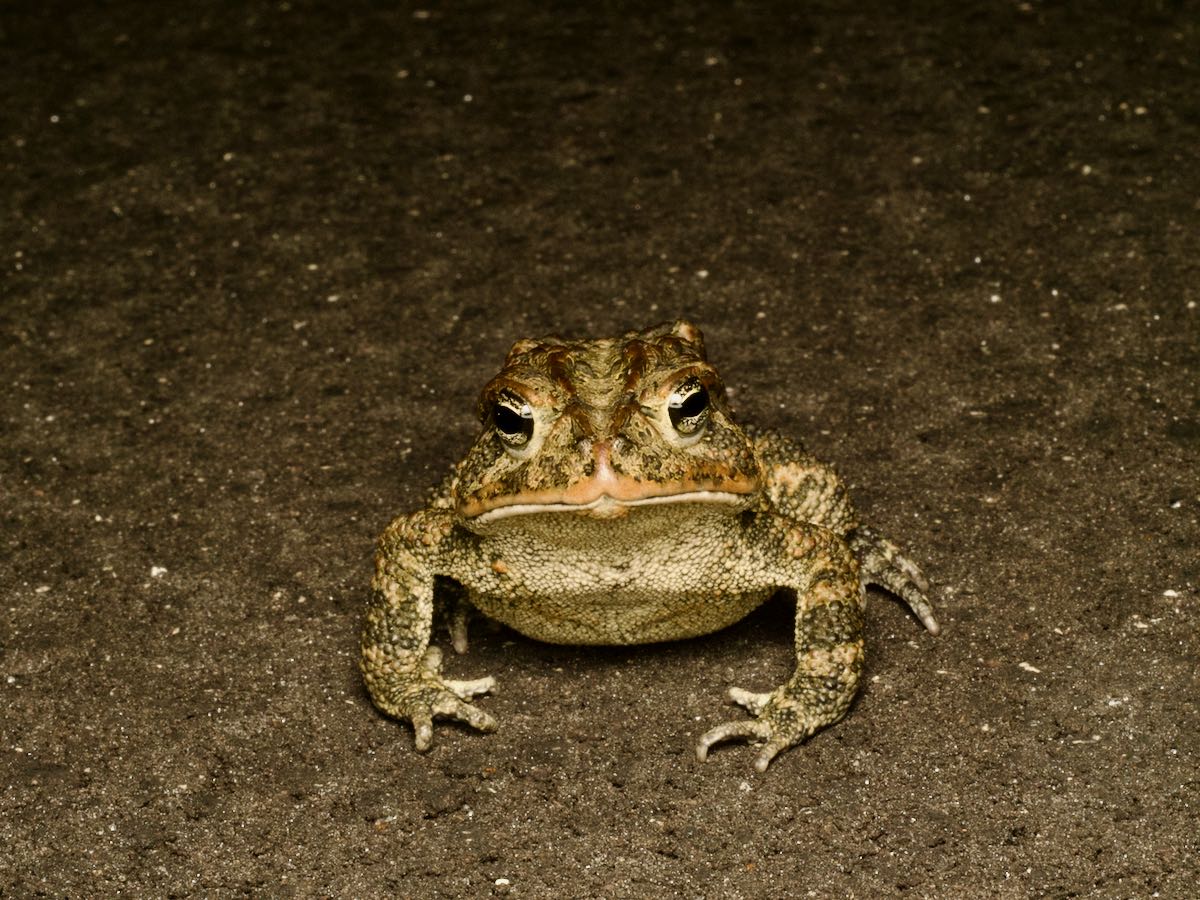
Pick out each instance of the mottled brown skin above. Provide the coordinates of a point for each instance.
(611, 499)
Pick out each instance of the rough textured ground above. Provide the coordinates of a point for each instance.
(258, 258)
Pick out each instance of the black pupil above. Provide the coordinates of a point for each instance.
(694, 404)
(688, 416)
(508, 420)
(511, 422)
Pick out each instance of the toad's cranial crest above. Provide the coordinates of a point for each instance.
(611, 499)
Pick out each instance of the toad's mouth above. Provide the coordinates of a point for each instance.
(604, 506)
(607, 494)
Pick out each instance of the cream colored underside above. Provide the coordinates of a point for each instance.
(655, 569)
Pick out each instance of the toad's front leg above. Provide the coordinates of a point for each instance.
(819, 566)
(401, 671)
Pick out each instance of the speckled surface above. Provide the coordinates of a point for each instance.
(258, 260)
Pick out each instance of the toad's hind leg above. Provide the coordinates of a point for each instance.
(881, 563)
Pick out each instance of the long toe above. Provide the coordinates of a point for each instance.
(745, 729)
(773, 748)
(423, 731)
(749, 700)
(468, 689)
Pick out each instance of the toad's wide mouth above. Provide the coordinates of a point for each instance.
(602, 507)
(606, 493)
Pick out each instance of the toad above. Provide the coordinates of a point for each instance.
(610, 498)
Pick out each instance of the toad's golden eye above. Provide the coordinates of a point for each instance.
(688, 407)
(512, 418)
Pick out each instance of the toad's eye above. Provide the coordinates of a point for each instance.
(688, 407)
(513, 420)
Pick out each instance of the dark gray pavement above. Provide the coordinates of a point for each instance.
(256, 259)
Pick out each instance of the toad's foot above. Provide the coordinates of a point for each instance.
(418, 696)
(882, 563)
(780, 722)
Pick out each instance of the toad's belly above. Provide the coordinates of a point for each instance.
(622, 616)
(657, 573)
